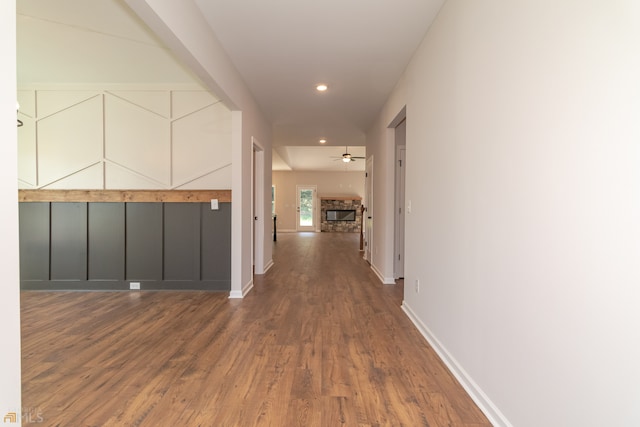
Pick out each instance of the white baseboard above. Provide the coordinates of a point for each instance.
(485, 404)
(268, 266)
(384, 280)
(235, 294)
(245, 290)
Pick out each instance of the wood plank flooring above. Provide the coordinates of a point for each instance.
(318, 342)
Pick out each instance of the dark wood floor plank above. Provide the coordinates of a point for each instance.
(318, 342)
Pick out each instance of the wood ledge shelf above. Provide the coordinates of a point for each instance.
(167, 196)
(340, 198)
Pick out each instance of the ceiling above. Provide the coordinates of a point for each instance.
(317, 158)
(284, 48)
(281, 48)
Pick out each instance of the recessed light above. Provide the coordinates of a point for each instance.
(322, 87)
(322, 141)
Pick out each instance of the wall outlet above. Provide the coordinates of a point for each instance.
(417, 286)
(134, 285)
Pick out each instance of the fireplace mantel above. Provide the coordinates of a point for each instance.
(340, 198)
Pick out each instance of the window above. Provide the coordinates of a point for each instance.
(273, 200)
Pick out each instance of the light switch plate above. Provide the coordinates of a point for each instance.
(214, 204)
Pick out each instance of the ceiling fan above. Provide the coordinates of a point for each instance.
(346, 157)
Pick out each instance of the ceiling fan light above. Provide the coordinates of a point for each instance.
(346, 159)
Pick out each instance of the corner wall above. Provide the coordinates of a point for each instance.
(182, 27)
(524, 180)
(10, 394)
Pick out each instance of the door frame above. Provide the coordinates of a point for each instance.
(314, 208)
(257, 206)
(368, 214)
(398, 256)
(398, 229)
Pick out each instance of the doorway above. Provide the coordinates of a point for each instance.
(401, 157)
(257, 207)
(368, 214)
(398, 130)
(306, 207)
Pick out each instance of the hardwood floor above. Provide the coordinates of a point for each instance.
(318, 342)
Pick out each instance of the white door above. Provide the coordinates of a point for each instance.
(306, 207)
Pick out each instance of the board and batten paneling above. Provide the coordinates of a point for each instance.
(144, 226)
(215, 251)
(181, 255)
(35, 229)
(68, 245)
(108, 245)
(106, 241)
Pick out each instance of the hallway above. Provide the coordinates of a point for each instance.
(318, 342)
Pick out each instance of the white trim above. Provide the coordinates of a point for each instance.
(243, 293)
(236, 203)
(384, 280)
(257, 205)
(10, 384)
(235, 295)
(368, 203)
(398, 256)
(314, 209)
(268, 265)
(485, 404)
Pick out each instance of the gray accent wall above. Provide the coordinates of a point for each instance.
(105, 246)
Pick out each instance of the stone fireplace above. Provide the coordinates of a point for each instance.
(340, 214)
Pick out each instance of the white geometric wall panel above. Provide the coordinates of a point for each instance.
(156, 101)
(54, 101)
(69, 140)
(27, 173)
(123, 138)
(117, 177)
(185, 102)
(201, 143)
(137, 139)
(27, 101)
(87, 179)
(219, 179)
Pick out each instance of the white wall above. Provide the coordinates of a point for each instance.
(183, 29)
(328, 184)
(381, 145)
(102, 41)
(9, 288)
(105, 104)
(523, 142)
(123, 137)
